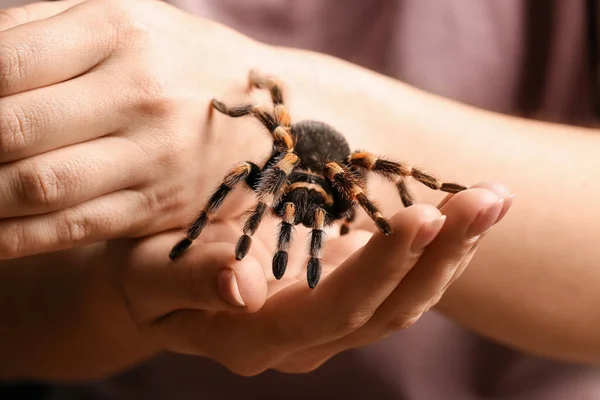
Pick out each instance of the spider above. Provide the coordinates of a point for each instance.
(311, 178)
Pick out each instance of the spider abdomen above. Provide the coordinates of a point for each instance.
(318, 143)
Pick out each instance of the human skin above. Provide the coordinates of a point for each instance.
(514, 291)
(123, 301)
(94, 311)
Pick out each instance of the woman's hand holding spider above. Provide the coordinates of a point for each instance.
(365, 294)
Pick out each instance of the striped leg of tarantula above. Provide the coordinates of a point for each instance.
(257, 80)
(284, 240)
(313, 268)
(404, 193)
(278, 124)
(348, 184)
(269, 190)
(260, 81)
(350, 217)
(396, 172)
(242, 172)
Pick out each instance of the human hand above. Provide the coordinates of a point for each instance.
(366, 293)
(103, 107)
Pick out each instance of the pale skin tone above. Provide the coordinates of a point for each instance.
(531, 284)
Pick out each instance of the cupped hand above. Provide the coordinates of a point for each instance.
(103, 107)
(236, 313)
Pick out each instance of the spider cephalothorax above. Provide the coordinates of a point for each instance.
(312, 178)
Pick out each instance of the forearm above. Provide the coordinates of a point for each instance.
(63, 318)
(533, 283)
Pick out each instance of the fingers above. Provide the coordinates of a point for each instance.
(11, 17)
(228, 231)
(468, 215)
(501, 190)
(70, 176)
(92, 221)
(44, 51)
(208, 279)
(176, 302)
(300, 317)
(366, 279)
(48, 118)
(504, 193)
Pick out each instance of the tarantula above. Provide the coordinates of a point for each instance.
(311, 178)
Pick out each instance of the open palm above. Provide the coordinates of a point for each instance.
(372, 285)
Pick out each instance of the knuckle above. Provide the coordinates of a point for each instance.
(126, 21)
(352, 321)
(40, 185)
(463, 248)
(434, 302)
(12, 242)
(13, 64)
(162, 200)
(402, 321)
(15, 129)
(73, 228)
(153, 98)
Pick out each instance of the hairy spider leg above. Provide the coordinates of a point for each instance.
(260, 81)
(257, 80)
(243, 172)
(397, 172)
(271, 185)
(284, 239)
(347, 183)
(282, 139)
(278, 124)
(306, 192)
(350, 217)
(313, 268)
(405, 195)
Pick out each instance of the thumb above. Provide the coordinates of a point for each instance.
(207, 278)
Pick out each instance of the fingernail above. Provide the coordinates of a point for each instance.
(427, 233)
(507, 204)
(485, 219)
(229, 289)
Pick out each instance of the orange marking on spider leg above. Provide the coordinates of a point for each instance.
(364, 159)
(233, 177)
(289, 212)
(319, 219)
(332, 169)
(288, 163)
(355, 191)
(283, 138)
(255, 79)
(282, 115)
